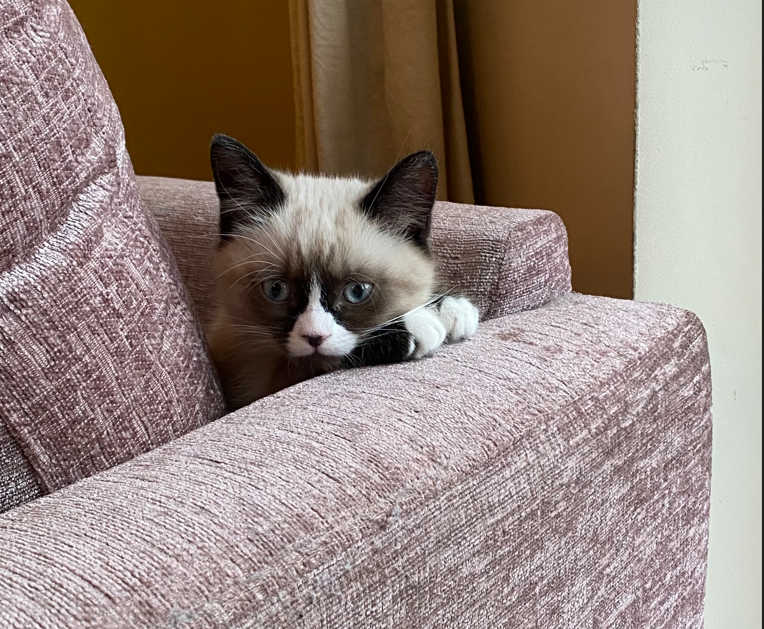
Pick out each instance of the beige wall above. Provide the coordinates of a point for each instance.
(698, 245)
(181, 70)
(549, 94)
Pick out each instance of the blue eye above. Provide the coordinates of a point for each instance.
(357, 292)
(276, 290)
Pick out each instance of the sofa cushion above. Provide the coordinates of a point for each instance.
(553, 471)
(101, 356)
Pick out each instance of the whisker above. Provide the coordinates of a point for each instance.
(245, 330)
(257, 274)
(249, 323)
(242, 263)
(398, 318)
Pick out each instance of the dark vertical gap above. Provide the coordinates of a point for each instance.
(467, 84)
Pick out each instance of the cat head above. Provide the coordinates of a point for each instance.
(310, 266)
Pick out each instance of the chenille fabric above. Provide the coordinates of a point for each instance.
(554, 471)
(506, 260)
(101, 357)
(18, 482)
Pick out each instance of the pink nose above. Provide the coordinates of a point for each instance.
(314, 341)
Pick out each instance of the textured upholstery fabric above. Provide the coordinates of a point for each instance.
(100, 355)
(18, 483)
(552, 472)
(506, 260)
(188, 214)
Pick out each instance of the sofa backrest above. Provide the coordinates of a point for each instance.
(101, 357)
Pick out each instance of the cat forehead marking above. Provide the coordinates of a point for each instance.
(322, 223)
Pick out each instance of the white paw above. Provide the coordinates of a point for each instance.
(459, 317)
(427, 332)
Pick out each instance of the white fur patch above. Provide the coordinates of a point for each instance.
(459, 317)
(317, 322)
(427, 330)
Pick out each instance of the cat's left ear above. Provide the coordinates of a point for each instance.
(403, 199)
(245, 187)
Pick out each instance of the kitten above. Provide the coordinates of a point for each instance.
(319, 273)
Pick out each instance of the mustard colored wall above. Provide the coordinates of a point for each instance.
(549, 93)
(181, 70)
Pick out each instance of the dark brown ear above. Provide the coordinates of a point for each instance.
(246, 188)
(402, 200)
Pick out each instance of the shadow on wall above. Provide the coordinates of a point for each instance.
(182, 70)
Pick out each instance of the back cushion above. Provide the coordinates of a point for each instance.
(101, 357)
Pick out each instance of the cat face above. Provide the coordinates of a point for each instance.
(310, 267)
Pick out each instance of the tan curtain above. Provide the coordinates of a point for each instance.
(375, 80)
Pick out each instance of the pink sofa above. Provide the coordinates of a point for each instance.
(554, 471)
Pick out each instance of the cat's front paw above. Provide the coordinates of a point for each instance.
(459, 317)
(427, 332)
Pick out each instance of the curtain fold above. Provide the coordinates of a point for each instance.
(375, 80)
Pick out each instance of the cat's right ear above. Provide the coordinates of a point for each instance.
(246, 188)
(403, 199)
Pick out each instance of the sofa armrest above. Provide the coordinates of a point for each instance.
(552, 472)
(505, 260)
